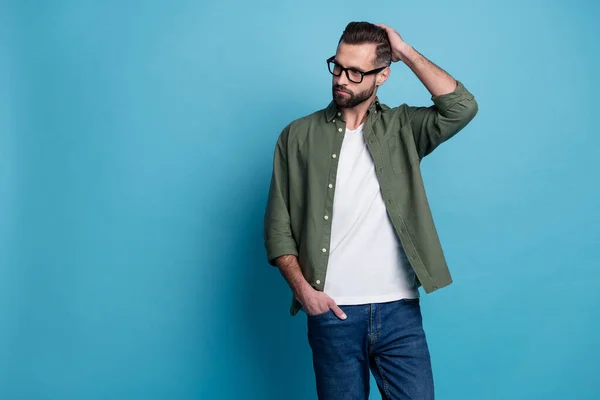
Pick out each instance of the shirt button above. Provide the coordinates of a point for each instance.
(333, 120)
(339, 113)
(324, 250)
(330, 186)
(339, 129)
(334, 155)
(326, 217)
(318, 282)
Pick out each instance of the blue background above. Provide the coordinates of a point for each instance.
(136, 143)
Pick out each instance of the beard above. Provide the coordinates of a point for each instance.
(349, 99)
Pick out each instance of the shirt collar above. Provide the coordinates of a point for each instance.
(333, 111)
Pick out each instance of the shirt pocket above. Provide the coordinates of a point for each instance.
(396, 154)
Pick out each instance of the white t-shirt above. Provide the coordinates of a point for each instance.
(367, 263)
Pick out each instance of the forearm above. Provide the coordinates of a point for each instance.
(435, 79)
(290, 269)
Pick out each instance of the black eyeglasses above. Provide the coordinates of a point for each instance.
(352, 74)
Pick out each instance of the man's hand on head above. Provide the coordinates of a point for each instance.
(399, 46)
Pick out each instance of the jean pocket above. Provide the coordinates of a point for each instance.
(320, 315)
(411, 301)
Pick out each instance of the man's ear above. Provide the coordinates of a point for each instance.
(382, 76)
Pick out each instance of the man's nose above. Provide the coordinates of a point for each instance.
(342, 79)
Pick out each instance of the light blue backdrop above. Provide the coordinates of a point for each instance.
(136, 142)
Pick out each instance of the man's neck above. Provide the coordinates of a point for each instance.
(355, 116)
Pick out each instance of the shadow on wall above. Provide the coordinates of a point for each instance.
(267, 355)
(276, 342)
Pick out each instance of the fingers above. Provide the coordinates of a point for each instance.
(337, 311)
(388, 29)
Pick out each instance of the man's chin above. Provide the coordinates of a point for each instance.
(341, 100)
(339, 104)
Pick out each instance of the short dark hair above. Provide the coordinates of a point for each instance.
(366, 32)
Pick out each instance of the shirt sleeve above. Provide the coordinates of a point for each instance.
(277, 227)
(451, 112)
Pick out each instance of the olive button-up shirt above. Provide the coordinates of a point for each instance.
(299, 209)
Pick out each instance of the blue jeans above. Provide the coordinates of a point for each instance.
(386, 339)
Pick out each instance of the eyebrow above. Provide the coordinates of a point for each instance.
(350, 67)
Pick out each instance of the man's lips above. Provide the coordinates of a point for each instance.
(340, 91)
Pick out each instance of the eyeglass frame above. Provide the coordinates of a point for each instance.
(343, 69)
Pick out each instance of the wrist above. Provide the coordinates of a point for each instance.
(403, 52)
(303, 290)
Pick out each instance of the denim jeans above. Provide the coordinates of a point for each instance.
(386, 339)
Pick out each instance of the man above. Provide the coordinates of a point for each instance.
(348, 223)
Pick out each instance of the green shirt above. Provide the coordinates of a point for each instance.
(304, 179)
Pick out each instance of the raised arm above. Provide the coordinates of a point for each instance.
(453, 105)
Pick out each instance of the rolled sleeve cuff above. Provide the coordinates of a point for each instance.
(446, 101)
(280, 247)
